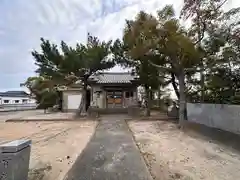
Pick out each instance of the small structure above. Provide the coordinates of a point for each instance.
(71, 98)
(106, 91)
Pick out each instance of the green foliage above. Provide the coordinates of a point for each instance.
(43, 91)
(47, 99)
(133, 50)
(214, 32)
(177, 49)
(64, 65)
(157, 47)
(72, 64)
(223, 89)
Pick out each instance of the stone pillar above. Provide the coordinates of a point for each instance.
(14, 160)
(135, 94)
(173, 111)
(100, 99)
(104, 100)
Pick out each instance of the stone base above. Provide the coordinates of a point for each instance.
(173, 112)
(107, 110)
(134, 111)
(93, 112)
(14, 160)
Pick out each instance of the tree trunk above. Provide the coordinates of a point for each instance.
(148, 101)
(173, 80)
(199, 40)
(159, 97)
(202, 83)
(182, 104)
(82, 106)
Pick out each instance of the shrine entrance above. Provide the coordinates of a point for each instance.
(114, 99)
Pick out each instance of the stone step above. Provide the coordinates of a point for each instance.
(111, 110)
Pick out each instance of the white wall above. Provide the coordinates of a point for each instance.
(74, 101)
(71, 99)
(221, 116)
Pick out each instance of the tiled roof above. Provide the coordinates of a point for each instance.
(14, 94)
(105, 78)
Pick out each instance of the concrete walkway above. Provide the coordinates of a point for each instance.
(110, 155)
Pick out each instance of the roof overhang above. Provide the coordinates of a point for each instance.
(135, 82)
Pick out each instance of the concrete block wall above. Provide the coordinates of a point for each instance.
(221, 116)
(14, 160)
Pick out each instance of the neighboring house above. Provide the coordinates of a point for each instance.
(11, 98)
(106, 91)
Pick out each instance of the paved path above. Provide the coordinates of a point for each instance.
(110, 155)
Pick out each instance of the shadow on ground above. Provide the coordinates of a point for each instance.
(212, 134)
(208, 133)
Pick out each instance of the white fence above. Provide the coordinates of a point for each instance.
(17, 107)
(221, 116)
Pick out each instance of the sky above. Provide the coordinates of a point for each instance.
(24, 22)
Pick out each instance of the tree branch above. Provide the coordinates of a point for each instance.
(160, 67)
(165, 77)
(192, 69)
(201, 34)
(221, 5)
(174, 84)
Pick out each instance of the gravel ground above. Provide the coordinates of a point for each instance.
(173, 154)
(19, 114)
(55, 145)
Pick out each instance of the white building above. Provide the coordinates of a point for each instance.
(15, 98)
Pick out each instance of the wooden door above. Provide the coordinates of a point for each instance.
(114, 99)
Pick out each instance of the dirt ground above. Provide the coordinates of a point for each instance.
(171, 153)
(19, 114)
(55, 145)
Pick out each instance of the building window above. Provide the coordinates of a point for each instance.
(5, 101)
(129, 94)
(24, 100)
(16, 101)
